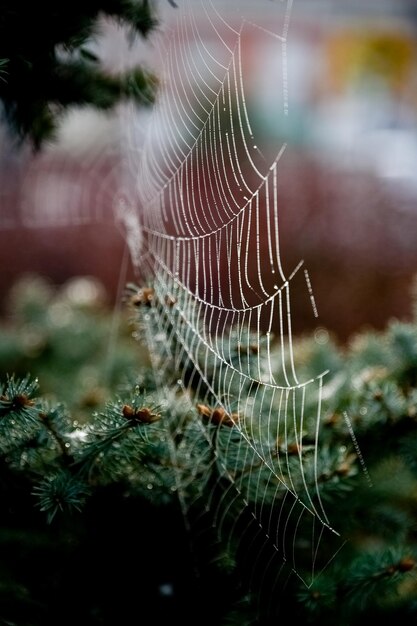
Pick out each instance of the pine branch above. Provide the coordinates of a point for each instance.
(117, 439)
(49, 67)
(19, 410)
(61, 492)
(156, 448)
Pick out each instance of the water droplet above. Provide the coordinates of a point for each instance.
(363, 410)
(166, 589)
(67, 445)
(149, 486)
(321, 336)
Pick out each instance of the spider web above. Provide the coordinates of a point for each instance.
(206, 236)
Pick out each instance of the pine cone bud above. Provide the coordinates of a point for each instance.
(406, 564)
(128, 411)
(204, 410)
(332, 420)
(170, 300)
(146, 416)
(293, 448)
(378, 395)
(217, 416)
(143, 296)
(143, 415)
(19, 401)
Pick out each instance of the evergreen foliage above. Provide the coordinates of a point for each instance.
(82, 493)
(47, 62)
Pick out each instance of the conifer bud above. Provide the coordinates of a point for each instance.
(343, 469)
(378, 395)
(293, 448)
(332, 419)
(143, 415)
(170, 300)
(204, 410)
(143, 297)
(146, 416)
(217, 416)
(128, 411)
(406, 564)
(19, 401)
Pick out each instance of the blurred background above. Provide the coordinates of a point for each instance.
(347, 183)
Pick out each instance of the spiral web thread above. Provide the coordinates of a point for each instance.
(210, 246)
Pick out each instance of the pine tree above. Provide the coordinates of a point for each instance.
(81, 497)
(47, 63)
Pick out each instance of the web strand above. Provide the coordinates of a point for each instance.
(209, 207)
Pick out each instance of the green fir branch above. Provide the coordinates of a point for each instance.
(61, 493)
(50, 66)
